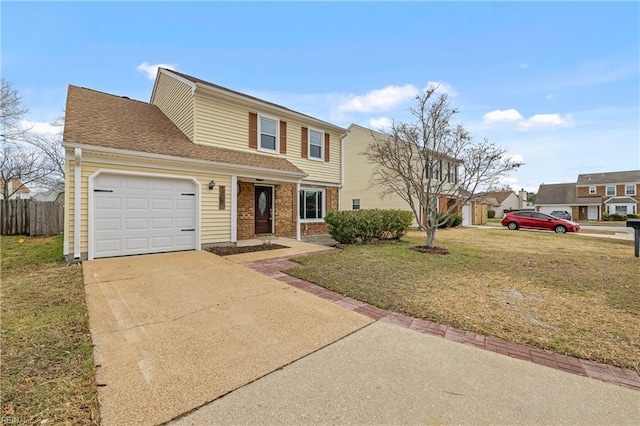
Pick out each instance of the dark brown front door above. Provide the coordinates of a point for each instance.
(263, 209)
(582, 213)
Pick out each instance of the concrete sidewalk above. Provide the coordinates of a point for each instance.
(384, 374)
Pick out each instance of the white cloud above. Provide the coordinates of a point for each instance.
(152, 70)
(40, 127)
(535, 121)
(549, 96)
(441, 87)
(524, 65)
(516, 158)
(502, 116)
(379, 100)
(546, 120)
(380, 123)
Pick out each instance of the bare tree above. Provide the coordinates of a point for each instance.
(26, 156)
(19, 164)
(431, 161)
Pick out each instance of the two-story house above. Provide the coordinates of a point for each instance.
(614, 192)
(592, 195)
(198, 165)
(360, 192)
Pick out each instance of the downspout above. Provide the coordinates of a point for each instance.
(77, 202)
(234, 208)
(298, 211)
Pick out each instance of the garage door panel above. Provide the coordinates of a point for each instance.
(106, 202)
(137, 215)
(162, 204)
(136, 224)
(136, 204)
(107, 225)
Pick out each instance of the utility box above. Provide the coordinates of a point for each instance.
(635, 224)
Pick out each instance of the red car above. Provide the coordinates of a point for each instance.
(537, 220)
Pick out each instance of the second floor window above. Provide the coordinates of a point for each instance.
(268, 134)
(629, 190)
(315, 144)
(592, 190)
(611, 190)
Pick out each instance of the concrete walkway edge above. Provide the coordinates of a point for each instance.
(274, 268)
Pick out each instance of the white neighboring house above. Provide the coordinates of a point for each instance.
(506, 200)
(16, 189)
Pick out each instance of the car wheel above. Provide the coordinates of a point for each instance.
(512, 225)
(560, 229)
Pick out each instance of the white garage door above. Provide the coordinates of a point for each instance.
(137, 215)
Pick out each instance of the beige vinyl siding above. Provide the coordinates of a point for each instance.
(358, 173)
(226, 125)
(175, 100)
(221, 124)
(215, 223)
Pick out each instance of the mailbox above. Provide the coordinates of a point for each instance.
(635, 224)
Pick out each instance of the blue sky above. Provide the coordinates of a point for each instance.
(558, 84)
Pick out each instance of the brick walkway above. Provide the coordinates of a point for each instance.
(607, 373)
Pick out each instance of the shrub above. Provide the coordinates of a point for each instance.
(633, 216)
(491, 214)
(348, 227)
(449, 220)
(616, 216)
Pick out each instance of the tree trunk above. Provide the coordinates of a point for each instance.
(431, 236)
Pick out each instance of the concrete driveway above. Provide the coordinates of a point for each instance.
(175, 331)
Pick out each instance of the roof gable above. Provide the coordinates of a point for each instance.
(110, 121)
(252, 99)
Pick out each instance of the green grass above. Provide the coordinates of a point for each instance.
(570, 294)
(47, 370)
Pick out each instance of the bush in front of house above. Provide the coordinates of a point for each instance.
(449, 220)
(348, 227)
(491, 214)
(616, 216)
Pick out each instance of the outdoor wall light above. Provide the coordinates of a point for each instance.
(211, 184)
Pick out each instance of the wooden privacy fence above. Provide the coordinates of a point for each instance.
(28, 217)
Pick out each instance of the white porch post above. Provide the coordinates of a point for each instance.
(77, 202)
(296, 202)
(234, 208)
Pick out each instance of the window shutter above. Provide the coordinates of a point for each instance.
(326, 146)
(253, 130)
(305, 142)
(283, 137)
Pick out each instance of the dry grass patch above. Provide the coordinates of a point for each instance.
(47, 364)
(573, 295)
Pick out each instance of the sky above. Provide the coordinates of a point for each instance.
(555, 83)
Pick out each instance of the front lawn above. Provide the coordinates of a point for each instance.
(570, 294)
(47, 370)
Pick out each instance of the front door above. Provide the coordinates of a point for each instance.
(263, 209)
(582, 213)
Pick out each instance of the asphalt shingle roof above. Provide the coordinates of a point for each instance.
(101, 119)
(610, 177)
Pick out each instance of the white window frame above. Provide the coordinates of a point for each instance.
(323, 209)
(353, 204)
(321, 158)
(619, 206)
(592, 190)
(627, 186)
(277, 135)
(611, 187)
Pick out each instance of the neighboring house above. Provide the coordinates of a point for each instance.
(358, 191)
(592, 195)
(16, 190)
(499, 201)
(199, 165)
(57, 196)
